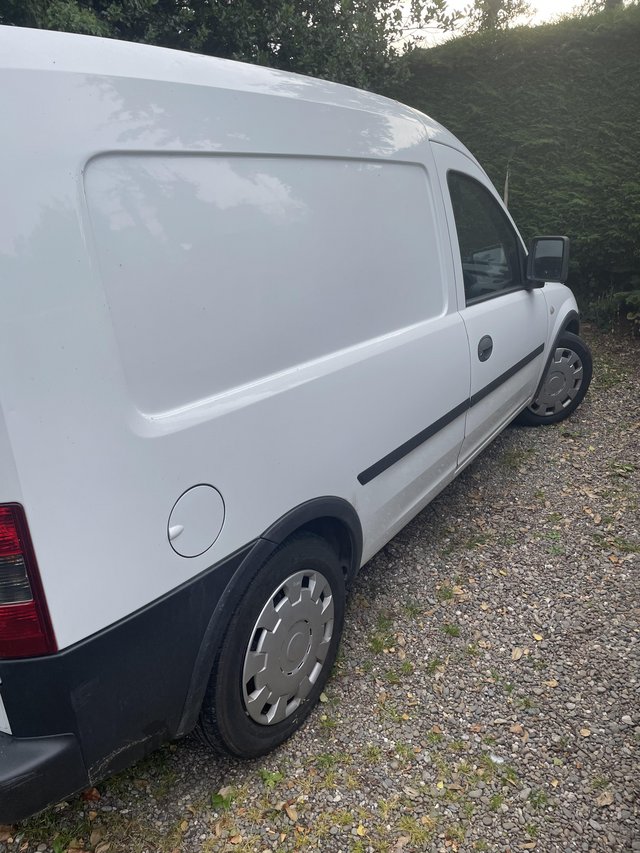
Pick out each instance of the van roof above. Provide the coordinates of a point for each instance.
(36, 50)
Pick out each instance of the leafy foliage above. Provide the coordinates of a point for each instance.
(557, 107)
(494, 15)
(351, 41)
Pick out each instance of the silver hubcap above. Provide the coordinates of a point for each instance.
(561, 384)
(289, 644)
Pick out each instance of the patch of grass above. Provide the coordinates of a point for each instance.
(445, 593)
(432, 665)
(407, 667)
(539, 799)
(531, 830)
(515, 457)
(455, 833)
(599, 783)
(451, 630)
(372, 753)
(481, 845)
(418, 831)
(477, 541)
(434, 738)
(412, 608)
(382, 638)
(495, 802)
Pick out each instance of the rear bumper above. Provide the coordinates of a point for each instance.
(37, 771)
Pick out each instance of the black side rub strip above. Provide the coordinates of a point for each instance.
(482, 393)
(397, 454)
(424, 435)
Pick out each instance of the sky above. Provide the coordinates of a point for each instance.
(545, 10)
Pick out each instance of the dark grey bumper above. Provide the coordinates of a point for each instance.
(35, 772)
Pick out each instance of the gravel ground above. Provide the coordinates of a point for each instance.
(486, 695)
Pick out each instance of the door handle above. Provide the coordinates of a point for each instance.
(485, 347)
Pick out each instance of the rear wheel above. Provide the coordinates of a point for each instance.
(565, 383)
(278, 651)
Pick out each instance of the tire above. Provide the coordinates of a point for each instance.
(566, 381)
(278, 650)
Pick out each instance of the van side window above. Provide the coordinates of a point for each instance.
(490, 250)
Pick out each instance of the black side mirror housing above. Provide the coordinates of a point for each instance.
(548, 260)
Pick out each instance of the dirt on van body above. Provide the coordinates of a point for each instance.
(487, 693)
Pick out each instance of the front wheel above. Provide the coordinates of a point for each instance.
(278, 651)
(564, 385)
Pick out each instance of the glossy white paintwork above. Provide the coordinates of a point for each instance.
(212, 273)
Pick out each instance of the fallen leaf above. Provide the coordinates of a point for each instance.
(538, 637)
(402, 842)
(292, 814)
(436, 729)
(457, 590)
(361, 830)
(96, 835)
(605, 799)
(516, 729)
(184, 826)
(5, 832)
(476, 727)
(528, 845)
(516, 654)
(90, 795)
(551, 683)
(585, 732)
(440, 785)
(484, 606)
(235, 839)
(554, 783)
(324, 697)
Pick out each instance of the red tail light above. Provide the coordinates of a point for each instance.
(25, 627)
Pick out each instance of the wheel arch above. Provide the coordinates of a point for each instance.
(333, 518)
(570, 323)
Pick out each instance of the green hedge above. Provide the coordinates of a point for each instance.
(559, 104)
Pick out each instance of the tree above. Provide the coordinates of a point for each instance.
(494, 15)
(351, 41)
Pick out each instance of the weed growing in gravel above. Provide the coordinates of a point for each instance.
(270, 777)
(434, 738)
(481, 844)
(382, 637)
(495, 802)
(419, 832)
(432, 665)
(412, 608)
(451, 630)
(468, 809)
(407, 668)
(538, 799)
(531, 830)
(599, 783)
(445, 592)
(372, 753)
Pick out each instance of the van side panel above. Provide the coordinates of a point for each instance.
(220, 271)
(125, 391)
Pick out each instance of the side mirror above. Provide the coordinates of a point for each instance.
(548, 260)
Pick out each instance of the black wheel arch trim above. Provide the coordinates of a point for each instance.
(304, 515)
(570, 318)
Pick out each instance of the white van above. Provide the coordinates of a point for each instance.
(250, 324)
